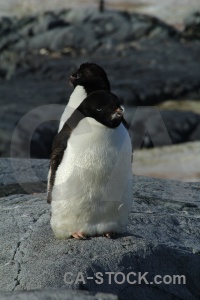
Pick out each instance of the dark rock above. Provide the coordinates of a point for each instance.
(194, 136)
(46, 133)
(114, 26)
(55, 39)
(162, 239)
(9, 41)
(88, 26)
(151, 127)
(181, 125)
(25, 20)
(192, 25)
(147, 77)
(47, 22)
(56, 294)
(57, 23)
(142, 27)
(6, 26)
(34, 134)
(157, 70)
(3, 73)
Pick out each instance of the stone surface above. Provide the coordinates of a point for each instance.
(88, 31)
(19, 176)
(41, 80)
(163, 238)
(185, 105)
(192, 25)
(56, 294)
(147, 62)
(152, 127)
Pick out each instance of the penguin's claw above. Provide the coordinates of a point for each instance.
(79, 236)
(109, 235)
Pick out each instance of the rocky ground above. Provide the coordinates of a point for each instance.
(162, 238)
(148, 62)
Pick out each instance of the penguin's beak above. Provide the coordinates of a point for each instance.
(118, 113)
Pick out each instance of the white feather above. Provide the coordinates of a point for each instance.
(78, 95)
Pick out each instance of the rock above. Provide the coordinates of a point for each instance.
(154, 71)
(178, 162)
(74, 16)
(44, 132)
(42, 81)
(33, 135)
(86, 28)
(185, 105)
(6, 25)
(183, 127)
(192, 25)
(56, 294)
(25, 176)
(151, 127)
(57, 39)
(162, 238)
(41, 120)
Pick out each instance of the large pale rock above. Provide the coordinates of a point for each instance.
(180, 162)
(163, 238)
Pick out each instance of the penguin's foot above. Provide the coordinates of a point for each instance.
(110, 235)
(79, 236)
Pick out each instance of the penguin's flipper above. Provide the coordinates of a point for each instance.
(58, 148)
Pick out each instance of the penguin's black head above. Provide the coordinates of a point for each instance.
(104, 107)
(92, 77)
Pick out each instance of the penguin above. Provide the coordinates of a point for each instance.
(90, 190)
(90, 175)
(88, 78)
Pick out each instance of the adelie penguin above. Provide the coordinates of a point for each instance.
(90, 177)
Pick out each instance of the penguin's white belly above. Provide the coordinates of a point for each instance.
(92, 192)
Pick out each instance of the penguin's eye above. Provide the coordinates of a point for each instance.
(98, 109)
(78, 76)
